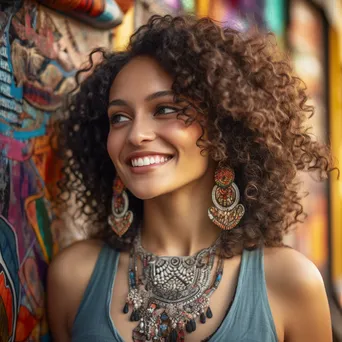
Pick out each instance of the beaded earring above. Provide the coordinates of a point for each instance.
(121, 218)
(226, 211)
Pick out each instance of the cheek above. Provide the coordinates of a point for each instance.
(185, 138)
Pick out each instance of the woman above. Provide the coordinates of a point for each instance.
(201, 131)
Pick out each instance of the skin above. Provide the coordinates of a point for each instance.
(176, 197)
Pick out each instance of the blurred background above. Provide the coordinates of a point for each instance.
(43, 43)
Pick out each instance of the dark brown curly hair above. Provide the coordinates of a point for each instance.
(255, 110)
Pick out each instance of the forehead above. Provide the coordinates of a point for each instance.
(140, 77)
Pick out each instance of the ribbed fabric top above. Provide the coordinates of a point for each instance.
(249, 318)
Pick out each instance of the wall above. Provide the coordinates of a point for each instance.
(40, 51)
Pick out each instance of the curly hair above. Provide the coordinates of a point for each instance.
(255, 111)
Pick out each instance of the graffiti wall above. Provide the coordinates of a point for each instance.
(40, 51)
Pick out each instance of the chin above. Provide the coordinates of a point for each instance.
(145, 194)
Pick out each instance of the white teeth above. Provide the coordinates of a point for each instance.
(145, 161)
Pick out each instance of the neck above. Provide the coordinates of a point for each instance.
(177, 224)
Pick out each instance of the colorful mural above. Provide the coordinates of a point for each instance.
(40, 51)
(103, 14)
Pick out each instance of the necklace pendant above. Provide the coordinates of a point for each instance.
(203, 319)
(209, 313)
(190, 326)
(170, 294)
(125, 308)
(173, 336)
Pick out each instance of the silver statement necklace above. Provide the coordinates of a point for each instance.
(170, 293)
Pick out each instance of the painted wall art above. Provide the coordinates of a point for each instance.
(40, 51)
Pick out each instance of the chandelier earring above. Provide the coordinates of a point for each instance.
(226, 212)
(121, 218)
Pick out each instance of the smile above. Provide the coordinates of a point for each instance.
(150, 160)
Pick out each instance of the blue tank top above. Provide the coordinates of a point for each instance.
(249, 318)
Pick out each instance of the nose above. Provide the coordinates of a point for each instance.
(141, 131)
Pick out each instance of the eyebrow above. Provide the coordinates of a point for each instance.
(119, 102)
(159, 94)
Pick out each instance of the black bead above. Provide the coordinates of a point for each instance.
(203, 319)
(188, 327)
(135, 316)
(173, 336)
(125, 309)
(209, 313)
(193, 324)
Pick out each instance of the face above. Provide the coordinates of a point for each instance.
(153, 151)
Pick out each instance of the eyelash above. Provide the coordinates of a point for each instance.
(114, 117)
(174, 109)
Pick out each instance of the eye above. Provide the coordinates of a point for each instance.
(118, 118)
(164, 110)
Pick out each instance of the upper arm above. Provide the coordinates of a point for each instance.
(309, 315)
(304, 303)
(57, 306)
(68, 276)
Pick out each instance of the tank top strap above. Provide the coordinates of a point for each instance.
(253, 284)
(249, 317)
(95, 298)
(253, 305)
(254, 269)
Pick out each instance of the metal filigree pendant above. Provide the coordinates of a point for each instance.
(171, 294)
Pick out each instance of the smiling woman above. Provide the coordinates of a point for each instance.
(183, 152)
(145, 124)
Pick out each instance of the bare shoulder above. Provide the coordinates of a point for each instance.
(75, 263)
(81, 253)
(72, 267)
(298, 287)
(290, 271)
(68, 276)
